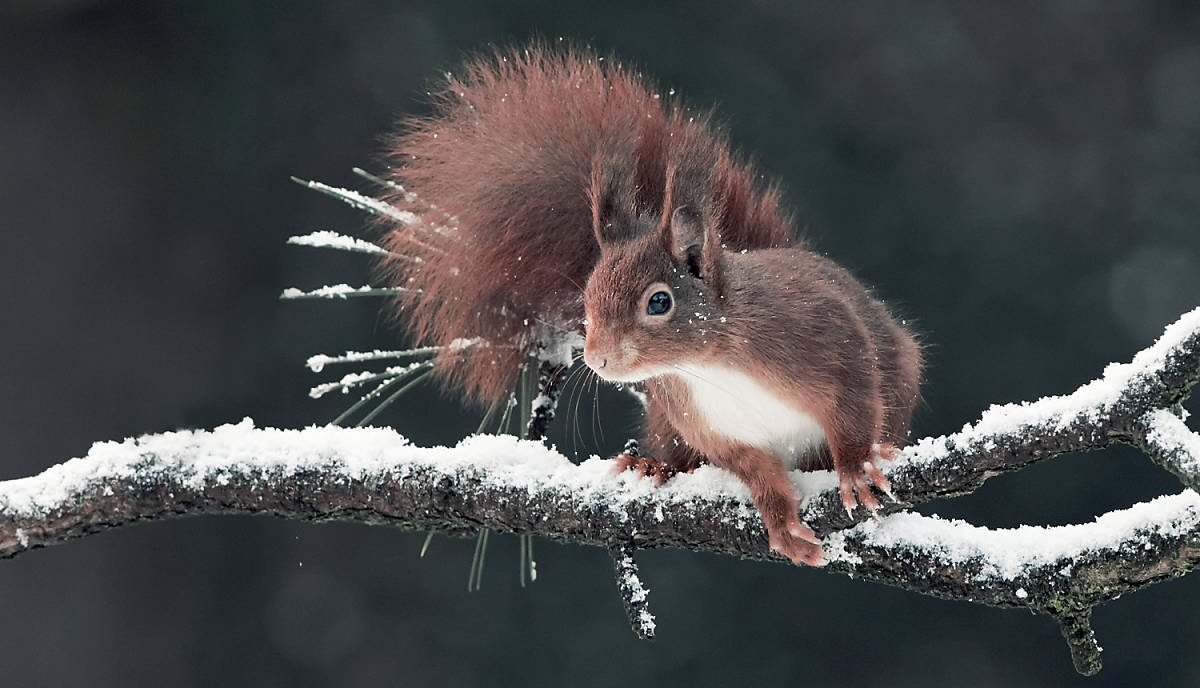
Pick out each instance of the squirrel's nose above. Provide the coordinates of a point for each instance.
(595, 359)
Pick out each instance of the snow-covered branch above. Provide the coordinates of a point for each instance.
(373, 475)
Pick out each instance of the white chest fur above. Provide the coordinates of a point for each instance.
(737, 406)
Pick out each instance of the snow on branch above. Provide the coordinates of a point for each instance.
(1173, 446)
(340, 242)
(352, 380)
(361, 202)
(338, 291)
(318, 362)
(375, 476)
(633, 592)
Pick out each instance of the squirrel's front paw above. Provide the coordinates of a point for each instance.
(645, 467)
(797, 542)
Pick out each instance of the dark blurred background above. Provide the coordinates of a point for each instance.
(1023, 181)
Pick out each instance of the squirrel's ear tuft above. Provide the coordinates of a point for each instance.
(611, 214)
(712, 264)
(611, 194)
(606, 223)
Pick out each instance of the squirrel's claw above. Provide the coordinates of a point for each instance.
(799, 530)
(879, 479)
(855, 485)
(883, 451)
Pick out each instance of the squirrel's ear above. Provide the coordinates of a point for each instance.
(685, 230)
(691, 239)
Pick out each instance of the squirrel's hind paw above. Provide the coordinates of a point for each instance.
(798, 543)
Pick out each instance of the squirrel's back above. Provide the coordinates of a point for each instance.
(505, 176)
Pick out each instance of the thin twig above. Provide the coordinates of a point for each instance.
(633, 593)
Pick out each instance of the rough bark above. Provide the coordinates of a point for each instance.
(322, 474)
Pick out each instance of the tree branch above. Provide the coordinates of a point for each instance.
(374, 476)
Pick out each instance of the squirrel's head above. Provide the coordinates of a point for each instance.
(654, 301)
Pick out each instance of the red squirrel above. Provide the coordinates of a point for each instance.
(554, 187)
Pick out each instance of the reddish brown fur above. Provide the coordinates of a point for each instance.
(534, 158)
(522, 148)
(795, 322)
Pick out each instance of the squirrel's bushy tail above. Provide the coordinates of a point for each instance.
(501, 178)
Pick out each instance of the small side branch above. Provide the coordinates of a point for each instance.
(633, 592)
(1167, 440)
(1085, 651)
(545, 404)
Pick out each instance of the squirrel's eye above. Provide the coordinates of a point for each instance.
(659, 303)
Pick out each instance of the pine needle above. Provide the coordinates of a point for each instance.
(532, 563)
(521, 561)
(359, 379)
(373, 394)
(338, 242)
(317, 362)
(475, 575)
(365, 398)
(527, 386)
(371, 205)
(508, 406)
(395, 395)
(487, 417)
(378, 180)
